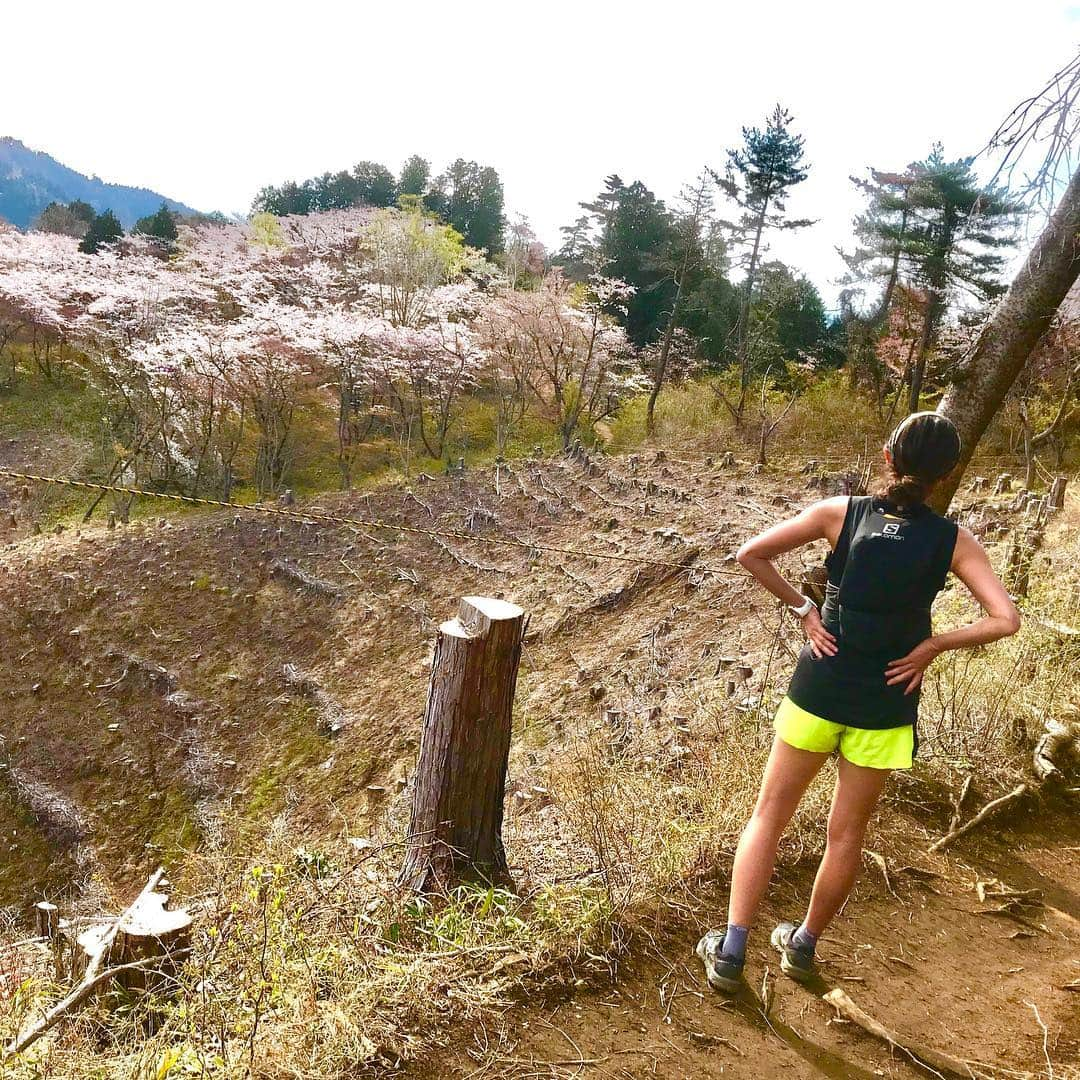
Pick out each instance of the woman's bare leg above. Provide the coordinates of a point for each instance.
(787, 776)
(857, 792)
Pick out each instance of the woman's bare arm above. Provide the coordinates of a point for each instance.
(821, 521)
(972, 566)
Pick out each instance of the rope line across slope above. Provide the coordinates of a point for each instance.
(316, 516)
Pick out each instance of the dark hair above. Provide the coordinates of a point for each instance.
(924, 448)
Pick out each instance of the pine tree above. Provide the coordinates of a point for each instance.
(415, 174)
(161, 225)
(104, 229)
(953, 243)
(635, 234)
(578, 251)
(759, 177)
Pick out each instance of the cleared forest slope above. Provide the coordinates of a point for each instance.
(173, 682)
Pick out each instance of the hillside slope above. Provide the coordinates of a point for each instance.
(169, 683)
(219, 603)
(31, 179)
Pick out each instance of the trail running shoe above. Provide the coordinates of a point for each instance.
(795, 963)
(720, 972)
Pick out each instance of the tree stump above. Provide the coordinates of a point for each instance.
(1057, 493)
(455, 830)
(147, 929)
(47, 920)
(1003, 484)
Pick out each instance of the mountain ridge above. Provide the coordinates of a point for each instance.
(31, 179)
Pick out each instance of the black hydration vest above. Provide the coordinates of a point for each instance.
(886, 569)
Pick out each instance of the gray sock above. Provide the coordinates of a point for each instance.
(734, 947)
(803, 940)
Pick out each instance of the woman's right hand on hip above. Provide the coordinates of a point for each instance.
(822, 643)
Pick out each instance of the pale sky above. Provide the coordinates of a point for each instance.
(207, 102)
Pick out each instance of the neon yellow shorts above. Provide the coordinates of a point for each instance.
(887, 748)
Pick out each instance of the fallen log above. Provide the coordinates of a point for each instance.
(282, 568)
(332, 717)
(640, 582)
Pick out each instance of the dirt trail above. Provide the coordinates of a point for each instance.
(928, 962)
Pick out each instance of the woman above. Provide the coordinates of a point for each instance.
(856, 685)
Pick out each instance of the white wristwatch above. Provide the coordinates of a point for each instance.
(804, 608)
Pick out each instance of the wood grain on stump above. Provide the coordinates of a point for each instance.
(146, 929)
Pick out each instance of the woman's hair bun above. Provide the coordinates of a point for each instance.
(924, 447)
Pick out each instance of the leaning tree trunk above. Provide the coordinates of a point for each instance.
(455, 831)
(1006, 343)
(918, 369)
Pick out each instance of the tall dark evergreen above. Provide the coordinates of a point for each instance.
(161, 226)
(415, 175)
(759, 177)
(375, 183)
(789, 312)
(337, 191)
(634, 237)
(470, 197)
(954, 242)
(104, 229)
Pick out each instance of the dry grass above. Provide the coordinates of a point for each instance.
(982, 709)
(311, 964)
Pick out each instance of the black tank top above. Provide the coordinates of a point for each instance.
(886, 569)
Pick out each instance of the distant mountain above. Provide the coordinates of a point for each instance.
(30, 180)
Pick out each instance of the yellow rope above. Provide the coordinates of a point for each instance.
(314, 516)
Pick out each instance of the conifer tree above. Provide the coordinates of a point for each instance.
(759, 177)
(104, 229)
(161, 225)
(415, 174)
(375, 183)
(469, 197)
(953, 243)
(634, 236)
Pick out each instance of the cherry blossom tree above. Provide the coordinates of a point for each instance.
(204, 358)
(571, 357)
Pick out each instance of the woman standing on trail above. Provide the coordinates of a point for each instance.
(856, 684)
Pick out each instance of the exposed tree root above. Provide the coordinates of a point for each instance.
(935, 1061)
(1056, 753)
(991, 807)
